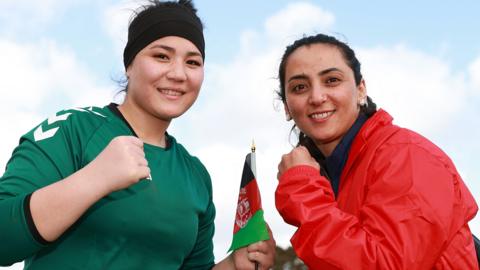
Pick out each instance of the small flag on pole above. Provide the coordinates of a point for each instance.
(249, 227)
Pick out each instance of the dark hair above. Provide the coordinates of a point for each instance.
(186, 5)
(349, 56)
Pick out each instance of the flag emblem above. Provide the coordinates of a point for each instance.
(243, 210)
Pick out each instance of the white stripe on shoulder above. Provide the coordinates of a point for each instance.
(89, 109)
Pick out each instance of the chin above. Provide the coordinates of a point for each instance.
(320, 138)
(169, 116)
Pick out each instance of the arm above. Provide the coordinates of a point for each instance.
(55, 205)
(22, 176)
(402, 223)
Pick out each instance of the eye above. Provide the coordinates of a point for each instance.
(160, 56)
(194, 63)
(298, 87)
(332, 81)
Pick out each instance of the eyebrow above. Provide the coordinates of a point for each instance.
(172, 50)
(328, 70)
(321, 73)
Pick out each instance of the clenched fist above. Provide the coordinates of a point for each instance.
(121, 164)
(298, 156)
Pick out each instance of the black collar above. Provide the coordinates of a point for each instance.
(114, 108)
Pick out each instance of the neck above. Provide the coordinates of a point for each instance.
(149, 129)
(327, 148)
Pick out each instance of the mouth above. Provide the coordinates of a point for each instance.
(171, 92)
(321, 115)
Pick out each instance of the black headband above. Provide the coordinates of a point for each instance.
(156, 23)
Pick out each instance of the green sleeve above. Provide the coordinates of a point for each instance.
(202, 256)
(32, 166)
(17, 241)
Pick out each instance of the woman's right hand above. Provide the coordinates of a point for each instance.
(298, 156)
(121, 164)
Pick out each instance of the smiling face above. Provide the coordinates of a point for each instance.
(164, 79)
(321, 94)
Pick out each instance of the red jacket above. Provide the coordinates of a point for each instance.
(401, 205)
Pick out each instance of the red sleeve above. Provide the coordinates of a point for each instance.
(405, 222)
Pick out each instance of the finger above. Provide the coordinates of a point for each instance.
(132, 148)
(134, 145)
(137, 148)
(128, 140)
(265, 261)
(257, 257)
(138, 153)
(142, 162)
(302, 148)
(145, 173)
(260, 246)
(136, 157)
(135, 140)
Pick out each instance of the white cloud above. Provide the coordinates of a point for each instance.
(30, 16)
(298, 18)
(39, 80)
(474, 72)
(116, 18)
(418, 89)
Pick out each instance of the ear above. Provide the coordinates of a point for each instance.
(127, 72)
(287, 112)
(362, 91)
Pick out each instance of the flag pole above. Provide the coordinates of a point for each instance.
(253, 161)
(253, 165)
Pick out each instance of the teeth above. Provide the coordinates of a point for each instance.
(171, 92)
(320, 115)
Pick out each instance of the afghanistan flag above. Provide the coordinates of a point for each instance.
(249, 227)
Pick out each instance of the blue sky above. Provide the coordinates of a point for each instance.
(421, 62)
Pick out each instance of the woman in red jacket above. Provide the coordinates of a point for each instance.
(364, 193)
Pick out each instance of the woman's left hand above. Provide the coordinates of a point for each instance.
(262, 252)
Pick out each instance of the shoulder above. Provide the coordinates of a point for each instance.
(400, 152)
(381, 135)
(407, 160)
(419, 147)
(54, 148)
(66, 122)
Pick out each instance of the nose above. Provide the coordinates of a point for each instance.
(176, 71)
(318, 95)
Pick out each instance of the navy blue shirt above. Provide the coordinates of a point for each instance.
(332, 166)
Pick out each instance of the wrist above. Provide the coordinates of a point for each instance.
(92, 181)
